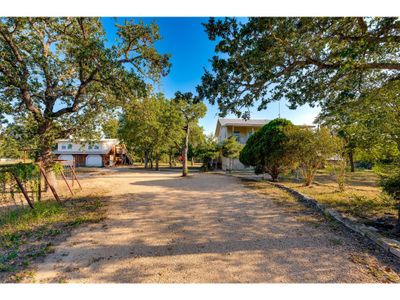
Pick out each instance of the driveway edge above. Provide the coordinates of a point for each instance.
(389, 245)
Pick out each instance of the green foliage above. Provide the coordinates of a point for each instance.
(58, 168)
(67, 61)
(249, 155)
(306, 60)
(110, 128)
(369, 124)
(391, 185)
(311, 148)
(267, 151)
(28, 174)
(231, 147)
(25, 233)
(207, 151)
(151, 124)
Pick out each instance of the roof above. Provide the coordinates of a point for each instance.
(239, 122)
(242, 122)
(71, 152)
(83, 140)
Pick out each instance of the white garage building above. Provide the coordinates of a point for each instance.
(97, 154)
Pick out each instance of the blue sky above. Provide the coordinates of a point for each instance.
(185, 39)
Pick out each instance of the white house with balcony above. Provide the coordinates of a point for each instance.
(239, 128)
(96, 154)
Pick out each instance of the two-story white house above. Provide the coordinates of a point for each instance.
(98, 154)
(241, 129)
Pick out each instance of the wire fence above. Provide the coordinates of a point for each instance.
(23, 184)
(20, 185)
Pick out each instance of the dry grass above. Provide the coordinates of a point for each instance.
(26, 234)
(277, 195)
(383, 274)
(362, 197)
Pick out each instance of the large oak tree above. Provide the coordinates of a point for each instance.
(61, 73)
(305, 60)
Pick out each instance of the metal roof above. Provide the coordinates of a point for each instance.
(239, 122)
(242, 122)
(86, 141)
(81, 152)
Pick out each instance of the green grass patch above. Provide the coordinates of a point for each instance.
(26, 234)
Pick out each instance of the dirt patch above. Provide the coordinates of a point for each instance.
(27, 236)
(161, 227)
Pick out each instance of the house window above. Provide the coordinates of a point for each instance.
(69, 146)
(63, 147)
(93, 147)
(236, 134)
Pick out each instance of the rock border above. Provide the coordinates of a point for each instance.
(389, 245)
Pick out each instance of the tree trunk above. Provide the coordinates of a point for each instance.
(151, 159)
(170, 158)
(185, 152)
(146, 159)
(44, 158)
(351, 159)
(157, 161)
(309, 178)
(274, 174)
(192, 161)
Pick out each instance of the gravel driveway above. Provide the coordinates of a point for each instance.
(161, 227)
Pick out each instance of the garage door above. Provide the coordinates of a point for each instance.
(94, 161)
(68, 157)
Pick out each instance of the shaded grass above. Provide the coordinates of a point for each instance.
(383, 274)
(27, 234)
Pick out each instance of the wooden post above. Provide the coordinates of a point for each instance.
(72, 177)
(53, 190)
(65, 179)
(21, 187)
(76, 178)
(40, 187)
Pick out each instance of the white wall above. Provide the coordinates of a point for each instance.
(236, 164)
(77, 147)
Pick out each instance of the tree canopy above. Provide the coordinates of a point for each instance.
(305, 60)
(60, 71)
(151, 124)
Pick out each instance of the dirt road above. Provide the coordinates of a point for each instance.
(161, 227)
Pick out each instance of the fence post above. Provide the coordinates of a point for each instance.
(65, 179)
(40, 186)
(21, 187)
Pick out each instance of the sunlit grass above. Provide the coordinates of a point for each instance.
(26, 234)
(362, 197)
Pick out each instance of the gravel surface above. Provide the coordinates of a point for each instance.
(161, 227)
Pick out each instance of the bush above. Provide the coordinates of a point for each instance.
(312, 148)
(391, 186)
(266, 149)
(231, 149)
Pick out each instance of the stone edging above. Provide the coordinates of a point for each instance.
(390, 245)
